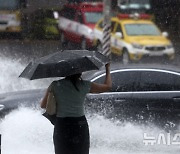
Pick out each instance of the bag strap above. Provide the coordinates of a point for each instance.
(52, 87)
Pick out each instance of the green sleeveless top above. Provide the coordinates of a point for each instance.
(70, 102)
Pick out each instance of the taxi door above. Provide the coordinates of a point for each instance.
(98, 31)
(117, 40)
(113, 26)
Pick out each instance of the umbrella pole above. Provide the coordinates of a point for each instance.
(0, 143)
(106, 42)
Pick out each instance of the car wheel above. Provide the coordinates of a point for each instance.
(125, 56)
(83, 44)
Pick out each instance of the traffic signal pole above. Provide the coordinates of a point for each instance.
(106, 42)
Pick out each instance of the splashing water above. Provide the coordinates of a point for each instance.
(9, 78)
(26, 131)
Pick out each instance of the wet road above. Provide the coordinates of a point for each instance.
(26, 131)
(27, 50)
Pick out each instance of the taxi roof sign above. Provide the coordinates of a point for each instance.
(134, 16)
(91, 4)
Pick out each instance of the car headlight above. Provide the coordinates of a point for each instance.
(56, 15)
(169, 46)
(137, 46)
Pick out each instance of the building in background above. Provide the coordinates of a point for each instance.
(16, 15)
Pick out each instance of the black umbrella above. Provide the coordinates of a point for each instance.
(64, 63)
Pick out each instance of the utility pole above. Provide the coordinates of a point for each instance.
(106, 43)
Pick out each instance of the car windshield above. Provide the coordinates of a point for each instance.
(134, 4)
(141, 29)
(139, 1)
(93, 17)
(9, 4)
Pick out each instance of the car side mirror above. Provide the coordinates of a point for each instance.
(165, 34)
(119, 34)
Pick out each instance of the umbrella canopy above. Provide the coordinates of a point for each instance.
(64, 63)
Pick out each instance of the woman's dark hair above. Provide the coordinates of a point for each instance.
(74, 79)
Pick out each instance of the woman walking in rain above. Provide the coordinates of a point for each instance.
(71, 131)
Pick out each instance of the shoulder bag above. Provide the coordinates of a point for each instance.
(50, 112)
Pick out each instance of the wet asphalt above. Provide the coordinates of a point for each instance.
(27, 50)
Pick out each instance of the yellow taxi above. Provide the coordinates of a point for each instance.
(134, 37)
